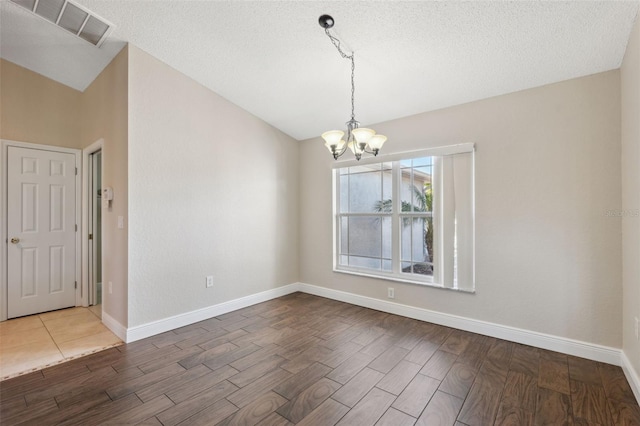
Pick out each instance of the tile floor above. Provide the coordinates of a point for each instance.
(34, 342)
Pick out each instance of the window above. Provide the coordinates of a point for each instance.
(407, 217)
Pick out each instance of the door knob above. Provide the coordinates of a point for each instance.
(15, 240)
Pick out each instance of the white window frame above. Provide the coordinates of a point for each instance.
(442, 205)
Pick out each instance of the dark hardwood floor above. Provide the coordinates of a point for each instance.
(305, 360)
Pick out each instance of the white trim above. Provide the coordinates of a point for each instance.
(113, 325)
(388, 276)
(460, 148)
(3, 222)
(632, 376)
(86, 152)
(573, 347)
(540, 340)
(171, 323)
(545, 341)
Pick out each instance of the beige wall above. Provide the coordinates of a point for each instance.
(547, 166)
(36, 109)
(232, 212)
(630, 90)
(213, 190)
(104, 106)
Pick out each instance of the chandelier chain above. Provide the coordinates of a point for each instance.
(358, 140)
(336, 43)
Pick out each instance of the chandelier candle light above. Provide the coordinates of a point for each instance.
(359, 139)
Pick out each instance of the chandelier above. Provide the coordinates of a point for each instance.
(359, 139)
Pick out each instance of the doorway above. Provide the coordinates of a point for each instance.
(95, 232)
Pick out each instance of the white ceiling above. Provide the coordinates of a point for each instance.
(43, 47)
(274, 60)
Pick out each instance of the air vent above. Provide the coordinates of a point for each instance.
(70, 16)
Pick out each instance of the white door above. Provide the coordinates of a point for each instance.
(41, 211)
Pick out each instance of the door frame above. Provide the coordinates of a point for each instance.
(4, 157)
(86, 153)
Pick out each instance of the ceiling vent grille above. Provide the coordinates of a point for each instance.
(72, 17)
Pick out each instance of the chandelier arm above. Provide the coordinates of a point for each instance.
(339, 153)
(371, 151)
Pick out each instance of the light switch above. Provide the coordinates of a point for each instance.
(120, 222)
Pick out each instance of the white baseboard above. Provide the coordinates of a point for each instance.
(632, 375)
(113, 325)
(177, 321)
(545, 341)
(540, 340)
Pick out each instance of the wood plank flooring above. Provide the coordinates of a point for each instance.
(306, 360)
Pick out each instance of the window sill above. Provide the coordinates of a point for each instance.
(401, 280)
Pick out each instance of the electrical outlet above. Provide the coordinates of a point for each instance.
(636, 329)
(110, 287)
(209, 281)
(391, 293)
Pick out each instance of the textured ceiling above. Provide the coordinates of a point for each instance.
(273, 59)
(43, 47)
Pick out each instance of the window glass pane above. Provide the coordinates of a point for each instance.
(421, 181)
(418, 246)
(423, 161)
(365, 192)
(385, 204)
(418, 200)
(344, 235)
(365, 238)
(387, 192)
(405, 239)
(416, 240)
(344, 193)
(364, 188)
(386, 265)
(364, 262)
(425, 269)
(406, 190)
(422, 269)
(429, 239)
(416, 179)
(386, 237)
(428, 196)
